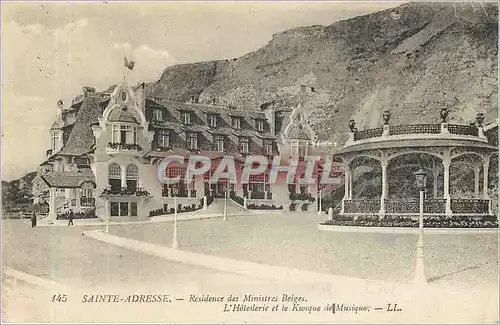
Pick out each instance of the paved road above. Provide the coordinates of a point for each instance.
(294, 241)
(62, 254)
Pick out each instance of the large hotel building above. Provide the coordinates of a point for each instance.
(106, 149)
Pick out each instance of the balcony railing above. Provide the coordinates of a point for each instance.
(465, 206)
(124, 192)
(258, 195)
(124, 146)
(185, 193)
(301, 197)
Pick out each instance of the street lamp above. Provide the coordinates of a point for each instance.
(420, 278)
(107, 222)
(175, 243)
(320, 208)
(225, 206)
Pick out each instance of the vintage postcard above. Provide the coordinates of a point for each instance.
(259, 162)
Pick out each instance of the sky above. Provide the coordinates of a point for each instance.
(51, 50)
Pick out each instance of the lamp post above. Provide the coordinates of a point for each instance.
(175, 243)
(108, 215)
(225, 206)
(320, 208)
(107, 223)
(420, 278)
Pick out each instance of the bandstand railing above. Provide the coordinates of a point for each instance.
(367, 134)
(415, 129)
(465, 206)
(361, 206)
(470, 130)
(463, 129)
(412, 206)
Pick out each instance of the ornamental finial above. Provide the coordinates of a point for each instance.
(480, 119)
(352, 125)
(386, 116)
(444, 114)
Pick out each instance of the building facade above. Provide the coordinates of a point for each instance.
(106, 149)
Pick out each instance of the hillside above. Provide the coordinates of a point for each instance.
(412, 61)
(17, 192)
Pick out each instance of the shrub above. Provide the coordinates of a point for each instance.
(87, 214)
(404, 221)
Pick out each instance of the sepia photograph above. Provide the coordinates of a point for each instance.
(249, 162)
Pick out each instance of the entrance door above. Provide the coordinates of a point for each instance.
(219, 190)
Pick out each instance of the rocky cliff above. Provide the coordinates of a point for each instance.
(412, 60)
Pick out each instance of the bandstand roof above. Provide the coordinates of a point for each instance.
(375, 139)
(386, 144)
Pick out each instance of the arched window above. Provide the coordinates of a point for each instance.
(87, 194)
(132, 177)
(115, 177)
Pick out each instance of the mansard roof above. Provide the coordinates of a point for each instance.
(68, 179)
(81, 139)
(205, 108)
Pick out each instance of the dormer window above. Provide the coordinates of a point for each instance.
(236, 122)
(212, 120)
(57, 141)
(219, 143)
(157, 115)
(259, 124)
(192, 140)
(163, 138)
(268, 147)
(124, 96)
(299, 149)
(244, 144)
(186, 117)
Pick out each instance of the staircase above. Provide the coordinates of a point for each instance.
(217, 207)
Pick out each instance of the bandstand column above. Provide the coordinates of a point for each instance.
(347, 178)
(350, 185)
(383, 195)
(435, 173)
(446, 182)
(477, 170)
(486, 167)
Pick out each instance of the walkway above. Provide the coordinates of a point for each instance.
(251, 269)
(214, 210)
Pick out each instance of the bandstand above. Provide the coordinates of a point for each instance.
(393, 149)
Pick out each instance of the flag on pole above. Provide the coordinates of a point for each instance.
(128, 64)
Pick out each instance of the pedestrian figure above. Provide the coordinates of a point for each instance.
(70, 217)
(33, 219)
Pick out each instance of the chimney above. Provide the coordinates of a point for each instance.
(88, 91)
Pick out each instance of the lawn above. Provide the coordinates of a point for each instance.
(293, 240)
